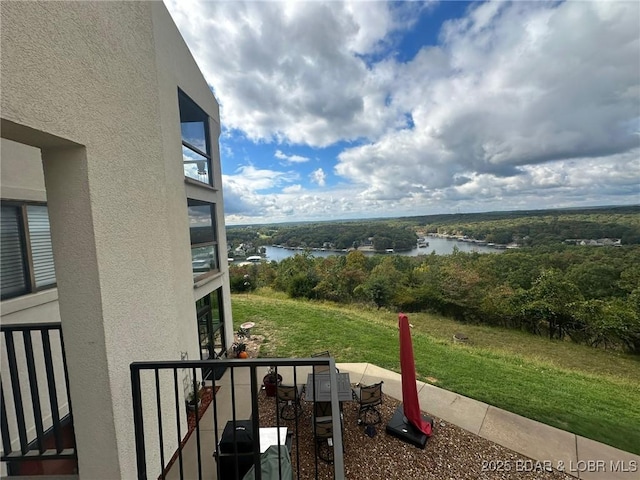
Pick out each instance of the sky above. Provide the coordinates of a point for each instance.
(347, 110)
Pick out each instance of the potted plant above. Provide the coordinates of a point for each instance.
(271, 381)
(194, 396)
(240, 350)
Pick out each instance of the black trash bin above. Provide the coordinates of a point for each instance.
(227, 456)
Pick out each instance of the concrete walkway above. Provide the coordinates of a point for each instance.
(580, 457)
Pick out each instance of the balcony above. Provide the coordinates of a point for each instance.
(240, 399)
(38, 437)
(36, 415)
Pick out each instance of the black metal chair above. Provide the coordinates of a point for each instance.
(321, 409)
(288, 397)
(368, 398)
(323, 430)
(322, 368)
(323, 433)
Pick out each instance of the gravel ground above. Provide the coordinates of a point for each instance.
(451, 453)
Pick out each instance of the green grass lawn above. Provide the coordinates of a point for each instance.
(593, 393)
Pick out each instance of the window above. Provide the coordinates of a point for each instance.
(196, 146)
(26, 250)
(204, 241)
(211, 329)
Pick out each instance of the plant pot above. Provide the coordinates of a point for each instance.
(192, 406)
(270, 384)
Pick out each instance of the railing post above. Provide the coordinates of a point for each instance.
(138, 424)
(338, 457)
(51, 385)
(17, 393)
(33, 388)
(257, 458)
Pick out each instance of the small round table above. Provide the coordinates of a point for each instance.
(247, 326)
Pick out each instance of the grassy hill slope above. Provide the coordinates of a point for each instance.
(593, 393)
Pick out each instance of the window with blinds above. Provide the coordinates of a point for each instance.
(41, 248)
(12, 266)
(26, 250)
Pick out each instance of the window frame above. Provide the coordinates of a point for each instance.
(185, 100)
(204, 318)
(25, 244)
(214, 242)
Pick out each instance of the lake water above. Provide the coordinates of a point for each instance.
(439, 245)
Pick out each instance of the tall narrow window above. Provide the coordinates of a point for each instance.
(204, 241)
(196, 145)
(41, 248)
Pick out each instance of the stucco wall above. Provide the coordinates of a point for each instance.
(85, 82)
(175, 67)
(21, 176)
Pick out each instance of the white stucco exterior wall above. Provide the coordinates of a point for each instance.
(94, 86)
(175, 69)
(21, 176)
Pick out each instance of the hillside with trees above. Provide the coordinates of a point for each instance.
(590, 295)
(545, 227)
(380, 235)
(526, 228)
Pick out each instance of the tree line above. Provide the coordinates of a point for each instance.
(590, 295)
(526, 228)
(380, 235)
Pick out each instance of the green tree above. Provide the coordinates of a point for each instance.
(297, 276)
(381, 283)
(610, 323)
(595, 280)
(551, 302)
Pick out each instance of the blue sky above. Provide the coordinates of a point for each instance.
(335, 110)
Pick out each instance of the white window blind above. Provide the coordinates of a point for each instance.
(12, 271)
(41, 249)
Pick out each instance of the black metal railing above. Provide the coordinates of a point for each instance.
(43, 432)
(159, 409)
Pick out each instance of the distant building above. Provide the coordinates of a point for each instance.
(600, 242)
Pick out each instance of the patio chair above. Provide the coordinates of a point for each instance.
(322, 368)
(321, 409)
(288, 397)
(368, 398)
(323, 433)
(323, 430)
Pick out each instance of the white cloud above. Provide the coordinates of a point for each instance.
(292, 189)
(289, 71)
(261, 179)
(319, 177)
(522, 105)
(580, 182)
(290, 158)
(525, 84)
